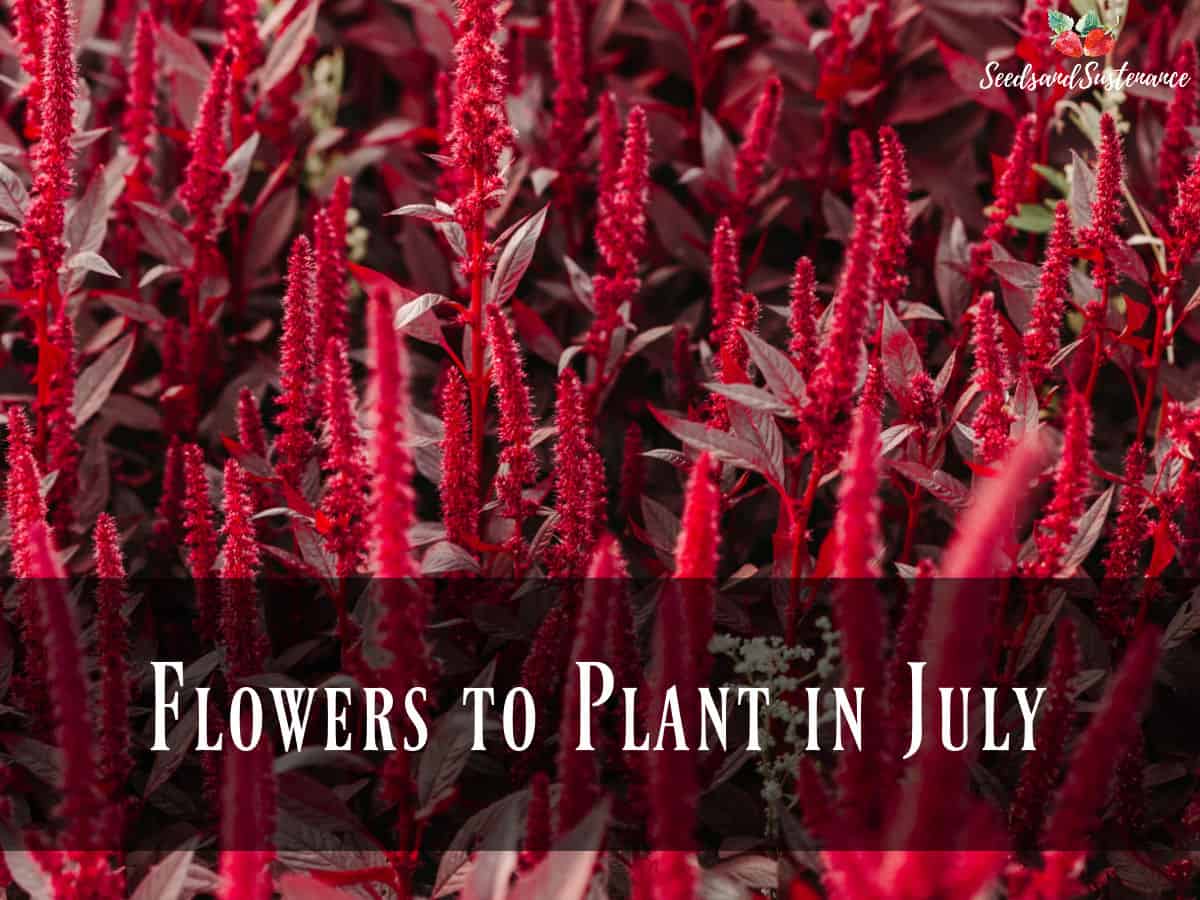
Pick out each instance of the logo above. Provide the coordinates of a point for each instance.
(1087, 37)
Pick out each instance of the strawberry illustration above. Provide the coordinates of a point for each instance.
(1069, 44)
(1098, 42)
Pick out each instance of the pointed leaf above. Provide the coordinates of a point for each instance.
(516, 256)
(97, 381)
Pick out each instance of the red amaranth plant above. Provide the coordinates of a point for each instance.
(459, 487)
(1041, 339)
(579, 483)
(993, 420)
(112, 651)
(294, 447)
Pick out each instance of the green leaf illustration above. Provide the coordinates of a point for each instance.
(1059, 21)
(1088, 23)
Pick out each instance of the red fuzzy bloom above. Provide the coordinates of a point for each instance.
(608, 161)
(993, 420)
(1071, 481)
(1099, 750)
(29, 20)
(205, 179)
(1041, 769)
(344, 502)
(247, 821)
(40, 246)
(579, 483)
(567, 129)
(697, 548)
(62, 446)
(760, 135)
(58, 634)
(1185, 220)
(1177, 139)
(577, 769)
(621, 235)
(889, 278)
(168, 515)
(1106, 207)
(733, 358)
(831, 389)
(480, 123)
(1041, 339)
(137, 124)
(112, 652)
(1132, 526)
(459, 487)
(23, 497)
(294, 447)
(251, 433)
(518, 464)
(726, 278)
(802, 318)
(200, 538)
(387, 453)
(330, 259)
(859, 614)
(245, 646)
(1010, 189)
(856, 524)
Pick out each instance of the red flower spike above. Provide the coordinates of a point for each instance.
(241, 559)
(697, 548)
(387, 452)
(344, 502)
(733, 357)
(1123, 560)
(1010, 188)
(459, 487)
(608, 154)
(330, 259)
(579, 483)
(205, 179)
(251, 433)
(1100, 748)
(577, 771)
(29, 19)
(856, 524)
(1176, 139)
(1057, 526)
(1041, 769)
(1185, 219)
(1041, 339)
(23, 497)
(112, 652)
(247, 819)
(626, 207)
(567, 129)
(480, 123)
(168, 514)
(518, 463)
(138, 121)
(860, 617)
(726, 279)
(200, 539)
(68, 693)
(831, 389)
(40, 245)
(1106, 207)
(953, 644)
(752, 155)
(802, 318)
(294, 447)
(993, 420)
(889, 278)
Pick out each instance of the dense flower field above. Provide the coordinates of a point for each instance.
(758, 342)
